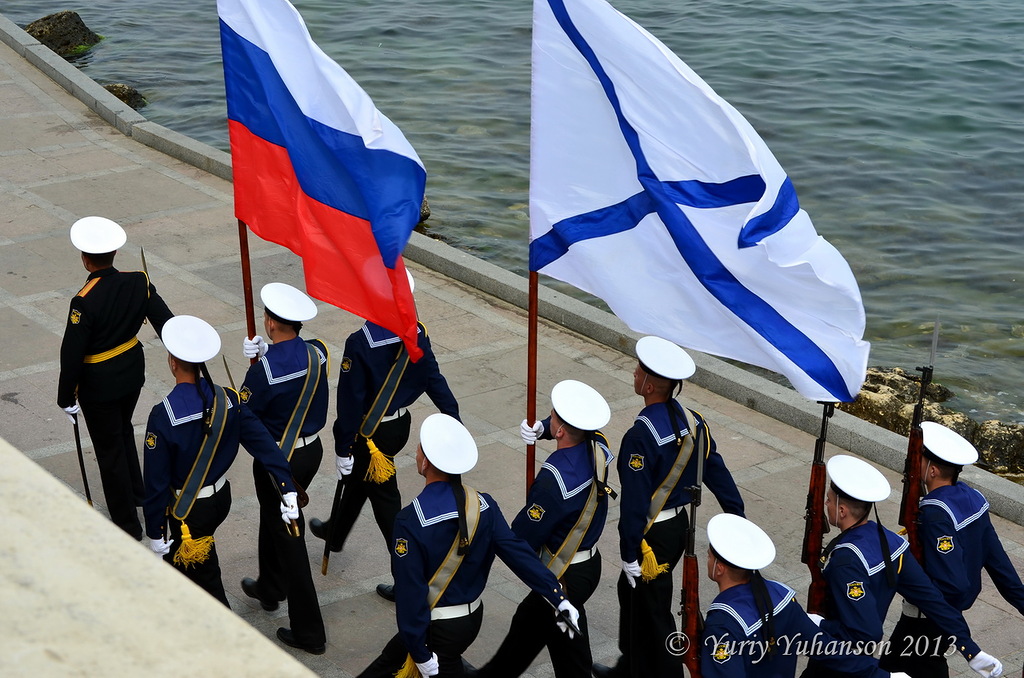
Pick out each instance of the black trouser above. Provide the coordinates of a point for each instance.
(284, 561)
(533, 626)
(385, 498)
(818, 670)
(447, 638)
(646, 618)
(113, 438)
(203, 520)
(917, 647)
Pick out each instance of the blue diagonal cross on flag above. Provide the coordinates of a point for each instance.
(651, 192)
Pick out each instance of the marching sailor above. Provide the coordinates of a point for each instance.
(862, 575)
(373, 425)
(103, 366)
(959, 541)
(563, 518)
(287, 389)
(657, 469)
(191, 440)
(443, 548)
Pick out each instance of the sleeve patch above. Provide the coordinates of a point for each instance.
(401, 547)
(721, 653)
(855, 590)
(535, 512)
(76, 316)
(346, 364)
(636, 462)
(150, 440)
(244, 394)
(944, 544)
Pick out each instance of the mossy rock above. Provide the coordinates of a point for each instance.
(127, 94)
(63, 32)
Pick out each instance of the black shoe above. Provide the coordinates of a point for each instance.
(468, 670)
(286, 637)
(321, 530)
(251, 588)
(386, 591)
(602, 671)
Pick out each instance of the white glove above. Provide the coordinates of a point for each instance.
(816, 618)
(71, 412)
(344, 465)
(574, 615)
(899, 674)
(290, 507)
(632, 571)
(160, 547)
(429, 667)
(255, 347)
(531, 433)
(986, 665)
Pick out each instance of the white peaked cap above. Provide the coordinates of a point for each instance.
(287, 302)
(857, 478)
(948, 445)
(191, 339)
(448, 444)
(580, 405)
(664, 358)
(740, 542)
(97, 235)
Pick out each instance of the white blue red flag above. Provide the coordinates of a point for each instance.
(317, 168)
(651, 192)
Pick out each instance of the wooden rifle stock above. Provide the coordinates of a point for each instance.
(912, 467)
(816, 524)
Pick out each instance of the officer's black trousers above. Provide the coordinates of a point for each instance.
(533, 626)
(385, 498)
(284, 560)
(203, 520)
(917, 647)
(447, 638)
(113, 438)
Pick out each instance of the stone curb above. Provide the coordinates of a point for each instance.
(873, 442)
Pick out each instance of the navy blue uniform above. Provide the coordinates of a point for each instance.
(646, 456)
(104, 367)
(858, 594)
(734, 643)
(557, 498)
(370, 353)
(271, 389)
(424, 533)
(959, 541)
(174, 436)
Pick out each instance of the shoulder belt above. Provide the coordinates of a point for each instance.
(667, 485)
(450, 565)
(201, 467)
(387, 391)
(298, 418)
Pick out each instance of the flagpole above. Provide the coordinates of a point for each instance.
(243, 250)
(531, 377)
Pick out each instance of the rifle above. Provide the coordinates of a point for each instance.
(816, 525)
(912, 468)
(689, 603)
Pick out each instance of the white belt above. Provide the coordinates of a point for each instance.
(911, 610)
(583, 556)
(302, 441)
(669, 513)
(454, 611)
(400, 412)
(207, 490)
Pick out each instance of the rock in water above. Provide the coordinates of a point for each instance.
(127, 94)
(64, 32)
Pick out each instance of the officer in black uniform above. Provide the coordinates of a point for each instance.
(280, 389)
(959, 541)
(862, 575)
(199, 426)
(649, 457)
(370, 354)
(443, 548)
(102, 364)
(563, 519)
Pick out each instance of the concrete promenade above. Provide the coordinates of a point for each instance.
(81, 598)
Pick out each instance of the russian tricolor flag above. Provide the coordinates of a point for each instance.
(317, 168)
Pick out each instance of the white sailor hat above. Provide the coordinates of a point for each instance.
(191, 339)
(740, 542)
(857, 478)
(947, 445)
(580, 405)
(97, 235)
(287, 302)
(448, 444)
(664, 359)
(412, 281)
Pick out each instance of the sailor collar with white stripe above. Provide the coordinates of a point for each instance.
(655, 418)
(268, 367)
(572, 469)
(183, 405)
(436, 503)
(377, 336)
(738, 603)
(961, 502)
(863, 541)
